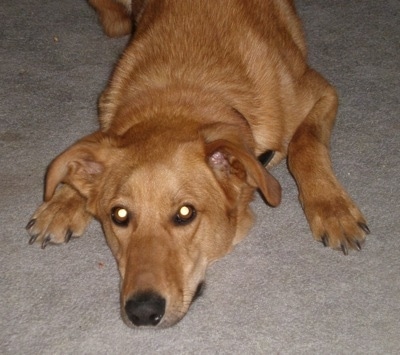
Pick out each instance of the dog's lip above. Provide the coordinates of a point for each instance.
(199, 290)
(166, 323)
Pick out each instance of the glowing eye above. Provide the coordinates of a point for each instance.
(120, 216)
(185, 214)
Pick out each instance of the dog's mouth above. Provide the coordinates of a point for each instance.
(199, 290)
(150, 309)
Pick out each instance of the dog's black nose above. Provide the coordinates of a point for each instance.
(145, 308)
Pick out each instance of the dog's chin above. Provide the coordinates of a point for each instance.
(171, 319)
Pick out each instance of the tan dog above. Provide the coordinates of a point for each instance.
(203, 88)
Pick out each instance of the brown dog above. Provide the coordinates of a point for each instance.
(203, 88)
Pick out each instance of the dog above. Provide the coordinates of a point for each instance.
(206, 98)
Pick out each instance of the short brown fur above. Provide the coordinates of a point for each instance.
(202, 89)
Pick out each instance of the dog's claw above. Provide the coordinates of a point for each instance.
(30, 223)
(344, 249)
(68, 236)
(358, 245)
(33, 239)
(325, 240)
(364, 227)
(46, 241)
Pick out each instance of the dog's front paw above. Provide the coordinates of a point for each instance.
(337, 223)
(59, 219)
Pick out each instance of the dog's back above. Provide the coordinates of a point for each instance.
(242, 52)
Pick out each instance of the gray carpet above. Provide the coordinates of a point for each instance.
(279, 292)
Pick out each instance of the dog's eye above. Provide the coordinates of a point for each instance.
(185, 214)
(120, 216)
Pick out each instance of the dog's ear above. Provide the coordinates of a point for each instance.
(228, 155)
(79, 166)
(227, 158)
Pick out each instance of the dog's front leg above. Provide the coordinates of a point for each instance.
(64, 216)
(333, 217)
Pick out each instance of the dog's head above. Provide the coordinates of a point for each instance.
(170, 203)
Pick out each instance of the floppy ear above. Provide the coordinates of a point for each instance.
(227, 158)
(79, 166)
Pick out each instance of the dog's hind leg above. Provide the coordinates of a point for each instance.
(333, 217)
(58, 220)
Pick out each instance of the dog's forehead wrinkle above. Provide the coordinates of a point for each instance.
(153, 155)
(157, 130)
